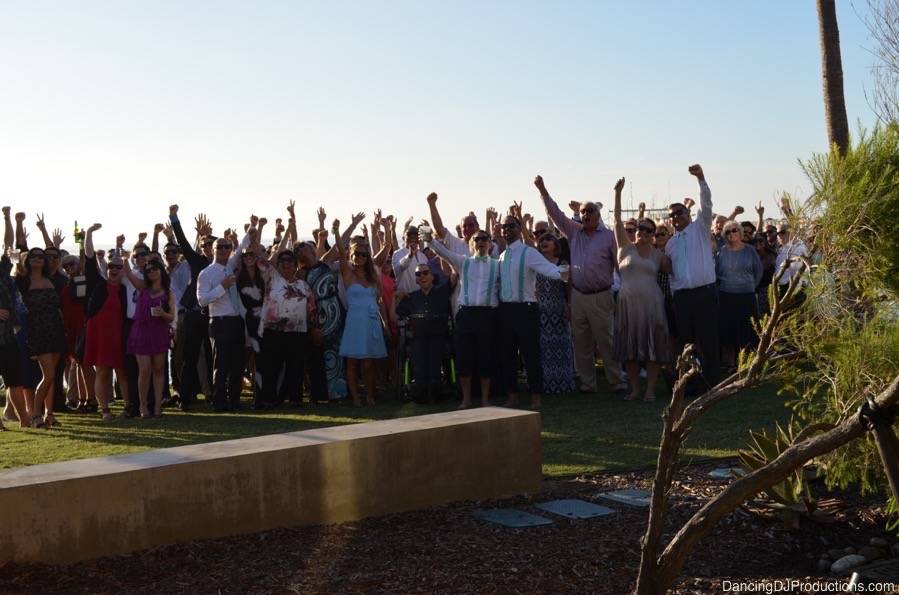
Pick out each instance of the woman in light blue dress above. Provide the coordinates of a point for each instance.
(363, 332)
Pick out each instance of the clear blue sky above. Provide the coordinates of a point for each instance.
(110, 111)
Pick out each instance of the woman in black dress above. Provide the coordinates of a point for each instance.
(251, 286)
(46, 332)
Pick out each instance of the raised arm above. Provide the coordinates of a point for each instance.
(341, 248)
(620, 235)
(9, 236)
(760, 228)
(435, 215)
(456, 260)
(89, 240)
(21, 235)
(42, 226)
(157, 229)
(135, 280)
(704, 214)
(738, 210)
(566, 225)
(191, 255)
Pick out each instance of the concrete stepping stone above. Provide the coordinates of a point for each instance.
(511, 517)
(631, 497)
(575, 509)
(727, 473)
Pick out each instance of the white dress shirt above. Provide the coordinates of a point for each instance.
(132, 292)
(519, 266)
(179, 280)
(211, 293)
(478, 276)
(692, 261)
(792, 249)
(404, 265)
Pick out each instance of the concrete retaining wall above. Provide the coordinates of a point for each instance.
(64, 512)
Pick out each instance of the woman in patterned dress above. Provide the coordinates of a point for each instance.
(556, 351)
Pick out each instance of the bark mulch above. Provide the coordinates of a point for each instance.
(446, 550)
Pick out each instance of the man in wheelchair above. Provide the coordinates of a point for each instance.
(427, 310)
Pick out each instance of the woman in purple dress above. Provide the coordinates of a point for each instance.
(150, 333)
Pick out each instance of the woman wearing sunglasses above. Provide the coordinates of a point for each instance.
(46, 332)
(149, 338)
(363, 334)
(107, 308)
(641, 328)
(739, 271)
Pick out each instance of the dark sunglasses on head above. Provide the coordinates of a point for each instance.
(422, 273)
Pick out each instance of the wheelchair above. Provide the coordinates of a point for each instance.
(402, 372)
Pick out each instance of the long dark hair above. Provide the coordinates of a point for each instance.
(23, 280)
(243, 275)
(164, 280)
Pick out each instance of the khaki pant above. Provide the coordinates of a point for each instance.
(593, 323)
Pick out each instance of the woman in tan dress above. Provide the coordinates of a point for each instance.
(641, 329)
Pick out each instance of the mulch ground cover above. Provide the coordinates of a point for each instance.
(446, 550)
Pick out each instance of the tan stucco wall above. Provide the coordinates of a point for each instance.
(64, 512)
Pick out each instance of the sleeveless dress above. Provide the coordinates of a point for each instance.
(641, 327)
(103, 344)
(323, 282)
(149, 334)
(363, 337)
(556, 350)
(46, 332)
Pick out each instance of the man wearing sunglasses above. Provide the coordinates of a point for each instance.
(217, 290)
(469, 225)
(593, 260)
(429, 310)
(193, 329)
(693, 279)
(519, 316)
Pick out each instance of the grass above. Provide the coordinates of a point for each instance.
(581, 433)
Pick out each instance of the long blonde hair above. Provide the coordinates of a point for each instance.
(369, 268)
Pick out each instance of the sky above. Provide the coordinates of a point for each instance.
(112, 111)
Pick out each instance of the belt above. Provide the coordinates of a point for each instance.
(700, 288)
(593, 291)
(224, 317)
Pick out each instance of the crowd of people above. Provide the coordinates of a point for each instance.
(171, 319)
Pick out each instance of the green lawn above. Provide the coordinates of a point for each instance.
(580, 432)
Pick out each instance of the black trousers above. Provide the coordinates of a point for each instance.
(282, 351)
(426, 353)
(228, 361)
(473, 338)
(697, 319)
(519, 324)
(314, 363)
(195, 335)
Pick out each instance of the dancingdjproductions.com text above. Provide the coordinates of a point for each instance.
(805, 586)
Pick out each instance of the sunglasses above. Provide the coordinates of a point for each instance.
(677, 213)
(422, 273)
(249, 254)
(630, 230)
(153, 270)
(363, 254)
(509, 226)
(53, 256)
(644, 229)
(661, 234)
(114, 266)
(782, 233)
(139, 254)
(172, 252)
(482, 239)
(223, 247)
